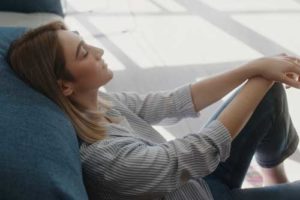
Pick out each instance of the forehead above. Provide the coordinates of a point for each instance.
(66, 36)
(69, 41)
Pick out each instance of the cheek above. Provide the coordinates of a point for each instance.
(87, 70)
(103, 76)
(92, 74)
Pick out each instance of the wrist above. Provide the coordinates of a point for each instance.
(254, 68)
(262, 82)
(249, 71)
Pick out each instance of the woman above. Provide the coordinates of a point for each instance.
(123, 157)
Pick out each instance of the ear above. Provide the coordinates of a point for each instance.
(66, 87)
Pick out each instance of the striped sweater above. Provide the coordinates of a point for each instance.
(135, 162)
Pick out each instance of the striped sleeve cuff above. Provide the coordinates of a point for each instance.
(220, 135)
(182, 98)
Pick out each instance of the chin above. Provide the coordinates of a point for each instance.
(111, 74)
(103, 82)
(109, 77)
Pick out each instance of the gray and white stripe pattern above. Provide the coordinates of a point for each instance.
(135, 162)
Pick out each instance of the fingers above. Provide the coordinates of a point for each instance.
(283, 54)
(290, 81)
(293, 68)
(292, 76)
(293, 59)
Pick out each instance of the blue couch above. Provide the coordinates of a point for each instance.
(39, 150)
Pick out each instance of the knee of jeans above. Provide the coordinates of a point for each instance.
(277, 96)
(277, 90)
(278, 87)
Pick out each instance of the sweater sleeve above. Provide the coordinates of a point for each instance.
(132, 167)
(163, 107)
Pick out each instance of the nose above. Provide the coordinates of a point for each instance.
(98, 53)
(101, 52)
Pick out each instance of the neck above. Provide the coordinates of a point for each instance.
(87, 99)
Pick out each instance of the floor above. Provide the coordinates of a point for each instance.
(162, 44)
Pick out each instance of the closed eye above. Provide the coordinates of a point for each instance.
(86, 54)
(86, 51)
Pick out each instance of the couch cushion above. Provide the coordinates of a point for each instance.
(28, 6)
(32, 20)
(38, 145)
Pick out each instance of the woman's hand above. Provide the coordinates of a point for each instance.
(280, 68)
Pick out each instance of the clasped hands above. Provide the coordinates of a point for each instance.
(279, 68)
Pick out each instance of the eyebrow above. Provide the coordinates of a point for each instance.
(78, 48)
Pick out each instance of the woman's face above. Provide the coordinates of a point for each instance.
(84, 62)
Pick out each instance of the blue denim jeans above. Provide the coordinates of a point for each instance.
(271, 136)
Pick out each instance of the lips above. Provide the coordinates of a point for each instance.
(104, 64)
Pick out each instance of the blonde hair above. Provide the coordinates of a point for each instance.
(37, 58)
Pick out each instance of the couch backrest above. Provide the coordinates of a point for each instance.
(30, 6)
(39, 151)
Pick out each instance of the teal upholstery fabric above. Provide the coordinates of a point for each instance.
(29, 6)
(39, 150)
